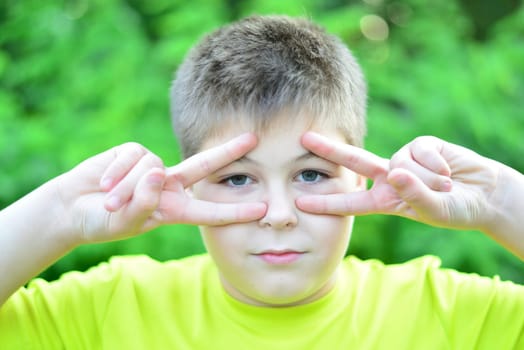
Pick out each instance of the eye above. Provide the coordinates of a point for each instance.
(310, 176)
(237, 180)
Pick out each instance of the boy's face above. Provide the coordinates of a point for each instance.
(289, 257)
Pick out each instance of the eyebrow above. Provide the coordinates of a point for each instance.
(302, 157)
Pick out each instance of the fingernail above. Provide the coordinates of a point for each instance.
(400, 181)
(106, 183)
(447, 185)
(155, 179)
(304, 202)
(113, 202)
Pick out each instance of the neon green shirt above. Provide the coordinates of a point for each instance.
(139, 303)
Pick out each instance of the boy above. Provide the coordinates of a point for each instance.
(268, 112)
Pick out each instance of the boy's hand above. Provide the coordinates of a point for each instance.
(127, 190)
(116, 194)
(428, 180)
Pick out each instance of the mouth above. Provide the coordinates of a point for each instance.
(279, 257)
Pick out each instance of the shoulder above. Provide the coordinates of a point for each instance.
(426, 275)
(139, 263)
(419, 294)
(125, 271)
(410, 269)
(121, 278)
(143, 267)
(424, 265)
(426, 261)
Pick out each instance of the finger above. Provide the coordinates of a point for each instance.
(421, 201)
(125, 157)
(427, 151)
(205, 163)
(125, 189)
(354, 158)
(354, 203)
(199, 212)
(404, 159)
(138, 212)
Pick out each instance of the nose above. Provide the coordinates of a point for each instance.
(281, 211)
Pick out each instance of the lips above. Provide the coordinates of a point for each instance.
(280, 257)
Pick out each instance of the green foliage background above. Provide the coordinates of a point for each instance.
(80, 76)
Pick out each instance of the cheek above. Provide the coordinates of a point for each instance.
(223, 194)
(224, 241)
(330, 238)
(346, 182)
(329, 231)
(333, 245)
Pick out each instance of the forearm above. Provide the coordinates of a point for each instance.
(33, 235)
(506, 225)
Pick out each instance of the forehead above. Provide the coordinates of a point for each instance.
(283, 129)
(279, 146)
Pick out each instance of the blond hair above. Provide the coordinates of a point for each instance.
(259, 66)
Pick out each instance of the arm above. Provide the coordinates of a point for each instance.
(507, 207)
(117, 194)
(431, 181)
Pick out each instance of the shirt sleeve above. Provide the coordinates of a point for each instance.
(59, 314)
(478, 312)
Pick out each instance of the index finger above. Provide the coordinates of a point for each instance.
(199, 212)
(202, 164)
(354, 158)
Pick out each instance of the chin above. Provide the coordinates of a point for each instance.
(275, 301)
(284, 291)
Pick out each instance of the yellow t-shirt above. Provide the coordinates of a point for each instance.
(139, 303)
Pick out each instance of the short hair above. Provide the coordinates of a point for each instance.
(262, 65)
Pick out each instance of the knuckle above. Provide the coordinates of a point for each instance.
(203, 163)
(352, 158)
(400, 162)
(424, 144)
(424, 139)
(401, 157)
(395, 160)
(154, 160)
(134, 149)
(424, 156)
(179, 178)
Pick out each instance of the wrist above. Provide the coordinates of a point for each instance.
(505, 221)
(63, 227)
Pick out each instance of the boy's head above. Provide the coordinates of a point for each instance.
(250, 71)
(278, 77)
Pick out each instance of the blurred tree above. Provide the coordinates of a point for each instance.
(80, 76)
(484, 14)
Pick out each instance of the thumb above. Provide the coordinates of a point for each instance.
(142, 209)
(422, 202)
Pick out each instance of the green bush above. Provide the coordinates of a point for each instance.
(78, 77)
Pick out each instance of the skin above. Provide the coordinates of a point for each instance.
(120, 193)
(431, 181)
(127, 190)
(277, 172)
